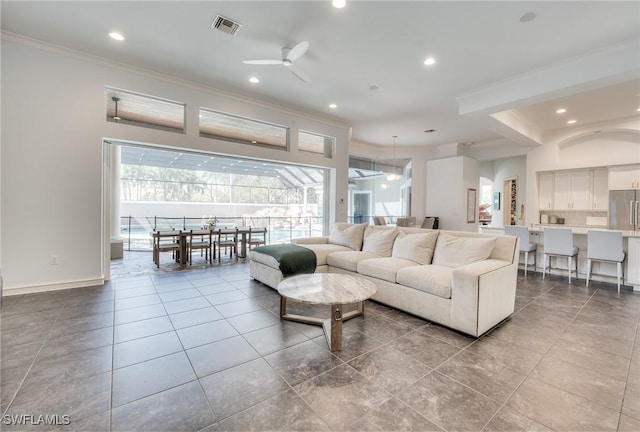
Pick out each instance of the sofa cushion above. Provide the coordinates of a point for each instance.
(322, 250)
(379, 240)
(433, 279)
(383, 268)
(346, 234)
(348, 260)
(453, 251)
(415, 247)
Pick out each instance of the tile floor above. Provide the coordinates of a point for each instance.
(204, 349)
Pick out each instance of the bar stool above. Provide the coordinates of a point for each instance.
(522, 232)
(605, 246)
(559, 242)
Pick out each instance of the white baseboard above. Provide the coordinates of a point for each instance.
(52, 287)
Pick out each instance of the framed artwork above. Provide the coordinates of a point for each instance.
(471, 205)
(496, 201)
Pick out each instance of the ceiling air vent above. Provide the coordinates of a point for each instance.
(226, 25)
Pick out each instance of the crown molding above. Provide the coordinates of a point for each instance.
(171, 79)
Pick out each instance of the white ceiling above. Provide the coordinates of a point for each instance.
(478, 45)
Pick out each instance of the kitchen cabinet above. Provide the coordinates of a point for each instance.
(599, 190)
(633, 262)
(545, 191)
(624, 177)
(571, 190)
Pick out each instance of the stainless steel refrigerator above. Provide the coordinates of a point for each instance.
(624, 210)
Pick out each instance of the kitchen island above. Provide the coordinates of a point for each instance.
(601, 271)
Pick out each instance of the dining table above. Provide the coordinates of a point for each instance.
(181, 256)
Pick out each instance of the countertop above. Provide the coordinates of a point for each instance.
(577, 230)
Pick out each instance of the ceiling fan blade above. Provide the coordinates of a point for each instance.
(263, 62)
(298, 51)
(303, 76)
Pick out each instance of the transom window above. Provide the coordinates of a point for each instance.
(145, 111)
(242, 130)
(315, 143)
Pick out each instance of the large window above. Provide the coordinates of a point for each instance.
(242, 130)
(164, 189)
(379, 188)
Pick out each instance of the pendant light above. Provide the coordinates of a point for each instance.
(115, 116)
(393, 176)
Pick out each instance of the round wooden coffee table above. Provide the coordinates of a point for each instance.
(334, 289)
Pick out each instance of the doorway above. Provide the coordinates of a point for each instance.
(361, 206)
(148, 187)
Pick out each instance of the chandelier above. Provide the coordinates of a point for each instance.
(393, 176)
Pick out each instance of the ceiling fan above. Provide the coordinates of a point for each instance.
(289, 55)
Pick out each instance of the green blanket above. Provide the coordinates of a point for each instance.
(293, 259)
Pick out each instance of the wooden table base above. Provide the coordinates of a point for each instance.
(332, 327)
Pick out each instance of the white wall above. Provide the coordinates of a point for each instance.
(53, 118)
(448, 180)
(598, 145)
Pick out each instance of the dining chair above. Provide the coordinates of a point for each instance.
(201, 240)
(558, 242)
(605, 246)
(166, 241)
(379, 220)
(227, 239)
(257, 237)
(522, 232)
(428, 223)
(409, 221)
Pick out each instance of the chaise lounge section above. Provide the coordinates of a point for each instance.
(462, 280)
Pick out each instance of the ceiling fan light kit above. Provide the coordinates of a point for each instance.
(289, 55)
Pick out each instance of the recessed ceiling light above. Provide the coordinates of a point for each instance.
(637, 109)
(571, 121)
(529, 16)
(561, 110)
(333, 106)
(339, 4)
(254, 80)
(430, 61)
(116, 36)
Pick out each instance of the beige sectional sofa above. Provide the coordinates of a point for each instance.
(463, 280)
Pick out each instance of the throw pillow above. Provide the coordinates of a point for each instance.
(346, 234)
(415, 247)
(452, 251)
(379, 240)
